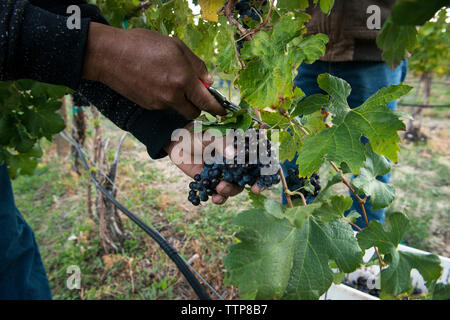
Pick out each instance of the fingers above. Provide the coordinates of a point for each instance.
(197, 64)
(187, 110)
(228, 190)
(203, 99)
(219, 199)
(256, 190)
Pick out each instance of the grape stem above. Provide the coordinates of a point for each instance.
(297, 193)
(266, 20)
(361, 202)
(285, 114)
(228, 11)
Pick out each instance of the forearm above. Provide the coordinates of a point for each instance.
(36, 44)
(54, 54)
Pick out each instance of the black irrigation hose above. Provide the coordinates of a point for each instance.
(171, 252)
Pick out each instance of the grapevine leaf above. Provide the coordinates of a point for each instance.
(288, 257)
(257, 200)
(315, 122)
(227, 59)
(273, 207)
(310, 105)
(381, 194)
(210, 8)
(338, 91)
(416, 12)
(291, 5)
(341, 142)
(240, 120)
(325, 5)
(290, 143)
(334, 208)
(353, 215)
(395, 279)
(7, 129)
(441, 291)
(273, 118)
(272, 61)
(396, 41)
(310, 48)
(23, 163)
(22, 141)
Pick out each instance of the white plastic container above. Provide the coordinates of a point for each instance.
(343, 292)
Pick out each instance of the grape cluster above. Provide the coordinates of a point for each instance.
(362, 284)
(247, 173)
(297, 184)
(246, 10)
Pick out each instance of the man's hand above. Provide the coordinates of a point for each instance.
(152, 70)
(224, 189)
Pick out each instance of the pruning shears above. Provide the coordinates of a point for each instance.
(227, 104)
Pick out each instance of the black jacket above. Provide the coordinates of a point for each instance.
(35, 43)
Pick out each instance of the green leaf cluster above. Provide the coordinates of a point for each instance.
(27, 114)
(286, 253)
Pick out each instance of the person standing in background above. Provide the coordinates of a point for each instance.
(351, 54)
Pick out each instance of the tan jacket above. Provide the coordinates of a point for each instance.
(346, 26)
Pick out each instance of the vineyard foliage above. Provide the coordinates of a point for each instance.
(432, 52)
(282, 252)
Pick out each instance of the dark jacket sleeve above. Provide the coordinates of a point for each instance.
(35, 43)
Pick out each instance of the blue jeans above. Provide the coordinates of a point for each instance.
(365, 78)
(22, 274)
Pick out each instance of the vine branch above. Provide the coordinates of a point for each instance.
(361, 202)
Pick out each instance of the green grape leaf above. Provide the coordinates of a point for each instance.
(353, 215)
(238, 120)
(338, 91)
(440, 291)
(290, 144)
(7, 129)
(227, 59)
(288, 257)
(201, 39)
(22, 141)
(210, 8)
(325, 5)
(273, 118)
(22, 163)
(272, 59)
(44, 122)
(310, 48)
(381, 194)
(341, 142)
(396, 41)
(315, 122)
(396, 278)
(291, 5)
(335, 207)
(274, 208)
(310, 105)
(416, 12)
